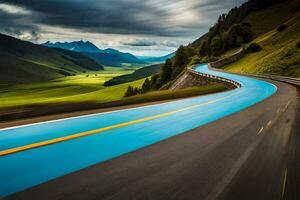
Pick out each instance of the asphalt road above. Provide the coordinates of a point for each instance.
(240, 156)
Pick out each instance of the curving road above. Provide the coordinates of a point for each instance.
(198, 164)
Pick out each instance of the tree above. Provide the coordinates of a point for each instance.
(298, 45)
(146, 86)
(281, 28)
(180, 57)
(189, 51)
(240, 34)
(253, 47)
(217, 46)
(155, 82)
(204, 49)
(136, 91)
(129, 92)
(166, 71)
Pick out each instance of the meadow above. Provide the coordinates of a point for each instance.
(82, 87)
(81, 92)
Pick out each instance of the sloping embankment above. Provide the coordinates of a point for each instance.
(193, 78)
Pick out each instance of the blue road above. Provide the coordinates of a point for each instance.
(24, 169)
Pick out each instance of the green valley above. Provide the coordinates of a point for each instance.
(82, 87)
(82, 91)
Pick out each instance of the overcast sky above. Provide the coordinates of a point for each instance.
(142, 27)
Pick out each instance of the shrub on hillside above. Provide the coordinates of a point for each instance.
(281, 28)
(65, 73)
(298, 45)
(195, 60)
(131, 91)
(253, 47)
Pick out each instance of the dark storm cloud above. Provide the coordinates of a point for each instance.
(17, 24)
(145, 17)
(105, 16)
(151, 17)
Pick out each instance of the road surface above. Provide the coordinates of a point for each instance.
(110, 156)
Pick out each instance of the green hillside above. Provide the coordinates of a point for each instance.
(73, 89)
(279, 54)
(23, 62)
(137, 74)
(255, 21)
(81, 92)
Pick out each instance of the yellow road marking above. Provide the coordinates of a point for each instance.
(269, 124)
(287, 105)
(278, 110)
(78, 135)
(284, 183)
(259, 132)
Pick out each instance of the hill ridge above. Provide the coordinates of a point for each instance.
(23, 62)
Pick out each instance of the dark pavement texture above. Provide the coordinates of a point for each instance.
(231, 158)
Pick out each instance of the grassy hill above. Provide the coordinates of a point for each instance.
(72, 89)
(279, 54)
(138, 74)
(255, 21)
(23, 62)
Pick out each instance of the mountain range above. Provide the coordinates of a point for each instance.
(79, 46)
(108, 57)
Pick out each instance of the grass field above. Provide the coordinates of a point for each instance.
(105, 98)
(279, 55)
(82, 87)
(81, 92)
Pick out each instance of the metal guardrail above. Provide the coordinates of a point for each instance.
(232, 58)
(294, 81)
(235, 83)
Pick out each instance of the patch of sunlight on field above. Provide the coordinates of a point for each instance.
(229, 53)
(82, 87)
(265, 36)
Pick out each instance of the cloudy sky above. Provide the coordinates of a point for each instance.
(142, 27)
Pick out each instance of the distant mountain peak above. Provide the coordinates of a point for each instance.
(79, 46)
(111, 50)
(109, 56)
